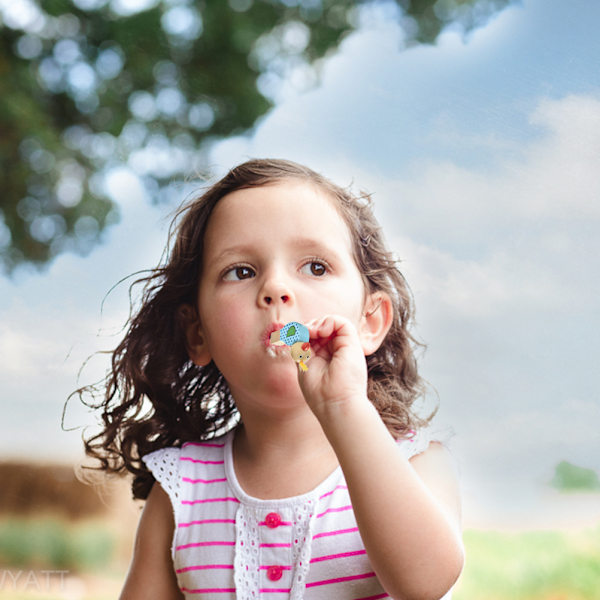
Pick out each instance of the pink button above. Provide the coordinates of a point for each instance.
(273, 520)
(274, 573)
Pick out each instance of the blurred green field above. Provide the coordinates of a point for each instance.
(53, 558)
(51, 543)
(531, 565)
(57, 560)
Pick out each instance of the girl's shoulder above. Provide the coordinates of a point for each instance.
(166, 464)
(420, 440)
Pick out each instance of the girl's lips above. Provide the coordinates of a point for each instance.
(266, 336)
(273, 350)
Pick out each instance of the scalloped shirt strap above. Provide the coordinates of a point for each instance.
(164, 466)
(420, 441)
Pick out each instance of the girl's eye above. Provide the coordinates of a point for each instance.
(315, 268)
(238, 273)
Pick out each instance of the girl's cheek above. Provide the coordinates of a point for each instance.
(232, 317)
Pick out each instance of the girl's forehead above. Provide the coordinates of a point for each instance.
(291, 206)
(287, 193)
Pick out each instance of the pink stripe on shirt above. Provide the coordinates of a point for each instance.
(206, 522)
(203, 544)
(209, 591)
(203, 567)
(338, 532)
(188, 480)
(340, 579)
(338, 487)
(202, 462)
(341, 555)
(331, 510)
(227, 499)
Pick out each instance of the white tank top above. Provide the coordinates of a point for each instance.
(228, 545)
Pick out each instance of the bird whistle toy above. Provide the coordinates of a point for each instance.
(296, 336)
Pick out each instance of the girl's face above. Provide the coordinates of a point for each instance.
(272, 254)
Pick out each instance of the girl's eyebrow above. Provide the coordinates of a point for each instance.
(233, 251)
(303, 244)
(307, 242)
(315, 245)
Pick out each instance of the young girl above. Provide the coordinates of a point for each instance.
(263, 480)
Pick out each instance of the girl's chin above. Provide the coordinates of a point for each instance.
(281, 370)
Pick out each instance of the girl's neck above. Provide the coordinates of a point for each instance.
(267, 450)
(268, 437)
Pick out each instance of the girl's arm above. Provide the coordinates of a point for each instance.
(408, 512)
(151, 575)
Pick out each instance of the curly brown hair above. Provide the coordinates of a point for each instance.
(154, 396)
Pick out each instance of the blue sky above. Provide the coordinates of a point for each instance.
(483, 156)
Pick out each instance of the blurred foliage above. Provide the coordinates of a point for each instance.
(86, 85)
(531, 565)
(571, 478)
(51, 543)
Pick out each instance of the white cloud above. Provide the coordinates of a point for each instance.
(470, 288)
(20, 351)
(552, 177)
(485, 240)
(564, 168)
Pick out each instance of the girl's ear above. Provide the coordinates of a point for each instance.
(194, 339)
(376, 321)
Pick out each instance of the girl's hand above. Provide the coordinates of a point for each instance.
(337, 371)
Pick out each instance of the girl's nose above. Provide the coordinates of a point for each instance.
(284, 298)
(273, 293)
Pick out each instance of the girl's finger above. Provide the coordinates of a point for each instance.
(325, 327)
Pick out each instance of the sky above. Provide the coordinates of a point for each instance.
(482, 154)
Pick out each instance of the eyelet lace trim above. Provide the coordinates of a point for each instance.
(164, 465)
(304, 518)
(247, 552)
(420, 442)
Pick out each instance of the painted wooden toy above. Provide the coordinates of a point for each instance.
(296, 336)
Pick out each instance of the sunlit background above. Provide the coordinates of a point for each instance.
(482, 153)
